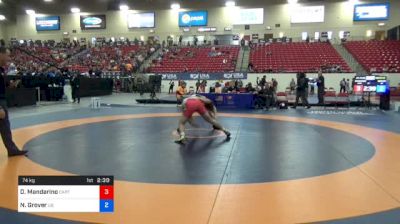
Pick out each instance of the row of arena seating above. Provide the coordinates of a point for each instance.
(111, 58)
(379, 56)
(296, 57)
(37, 58)
(376, 56)
(198, 59)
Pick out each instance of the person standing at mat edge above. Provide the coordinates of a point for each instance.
(76, 86)
(321, 88)
(171, 87)
(5, 128)
(180, 92)
(302, 84)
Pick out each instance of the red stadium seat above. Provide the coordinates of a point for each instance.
(343, 99)
(376, 56)
(330, 98)
(295, 57)
(200, 61)
(282, 97)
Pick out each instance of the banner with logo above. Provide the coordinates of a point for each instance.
(372, 12)
(193, 18)
(47, 23)
(203, 76)
(93, 22)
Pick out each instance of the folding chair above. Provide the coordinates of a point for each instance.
(329, 98)
(343, 99)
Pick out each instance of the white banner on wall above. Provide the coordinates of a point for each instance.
(307, 14)
(248, 16)
(141, 20)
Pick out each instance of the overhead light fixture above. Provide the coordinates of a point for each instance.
(48, 0)
(292, 1)
(124, 7)
(30, 12)
(381, 24)
(2, 17)
(175, 6)
(230, 4)
(353, 1)
(75, 10)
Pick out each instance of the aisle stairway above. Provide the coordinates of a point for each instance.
(351, 61)
(246, 59)
(148, 61)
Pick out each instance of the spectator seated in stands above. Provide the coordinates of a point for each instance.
(189, 54)
(250, 88)
(385, 68)
(218, 88)
(393, 69)
(113, 57)
(250, 67)
(12, 69)
(39, 56)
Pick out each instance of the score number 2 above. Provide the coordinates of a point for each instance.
(106, 199)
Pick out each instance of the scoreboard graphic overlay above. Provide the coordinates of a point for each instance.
(66, 194)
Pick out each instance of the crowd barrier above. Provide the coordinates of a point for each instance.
(226, 100)
(96, 87)
(20, 97)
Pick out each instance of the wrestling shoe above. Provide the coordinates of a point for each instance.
(181, 140)
(228, 134)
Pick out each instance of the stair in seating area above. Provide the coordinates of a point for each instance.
(350, 60)
(147, 62)
(246, 59)
(239, 60)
